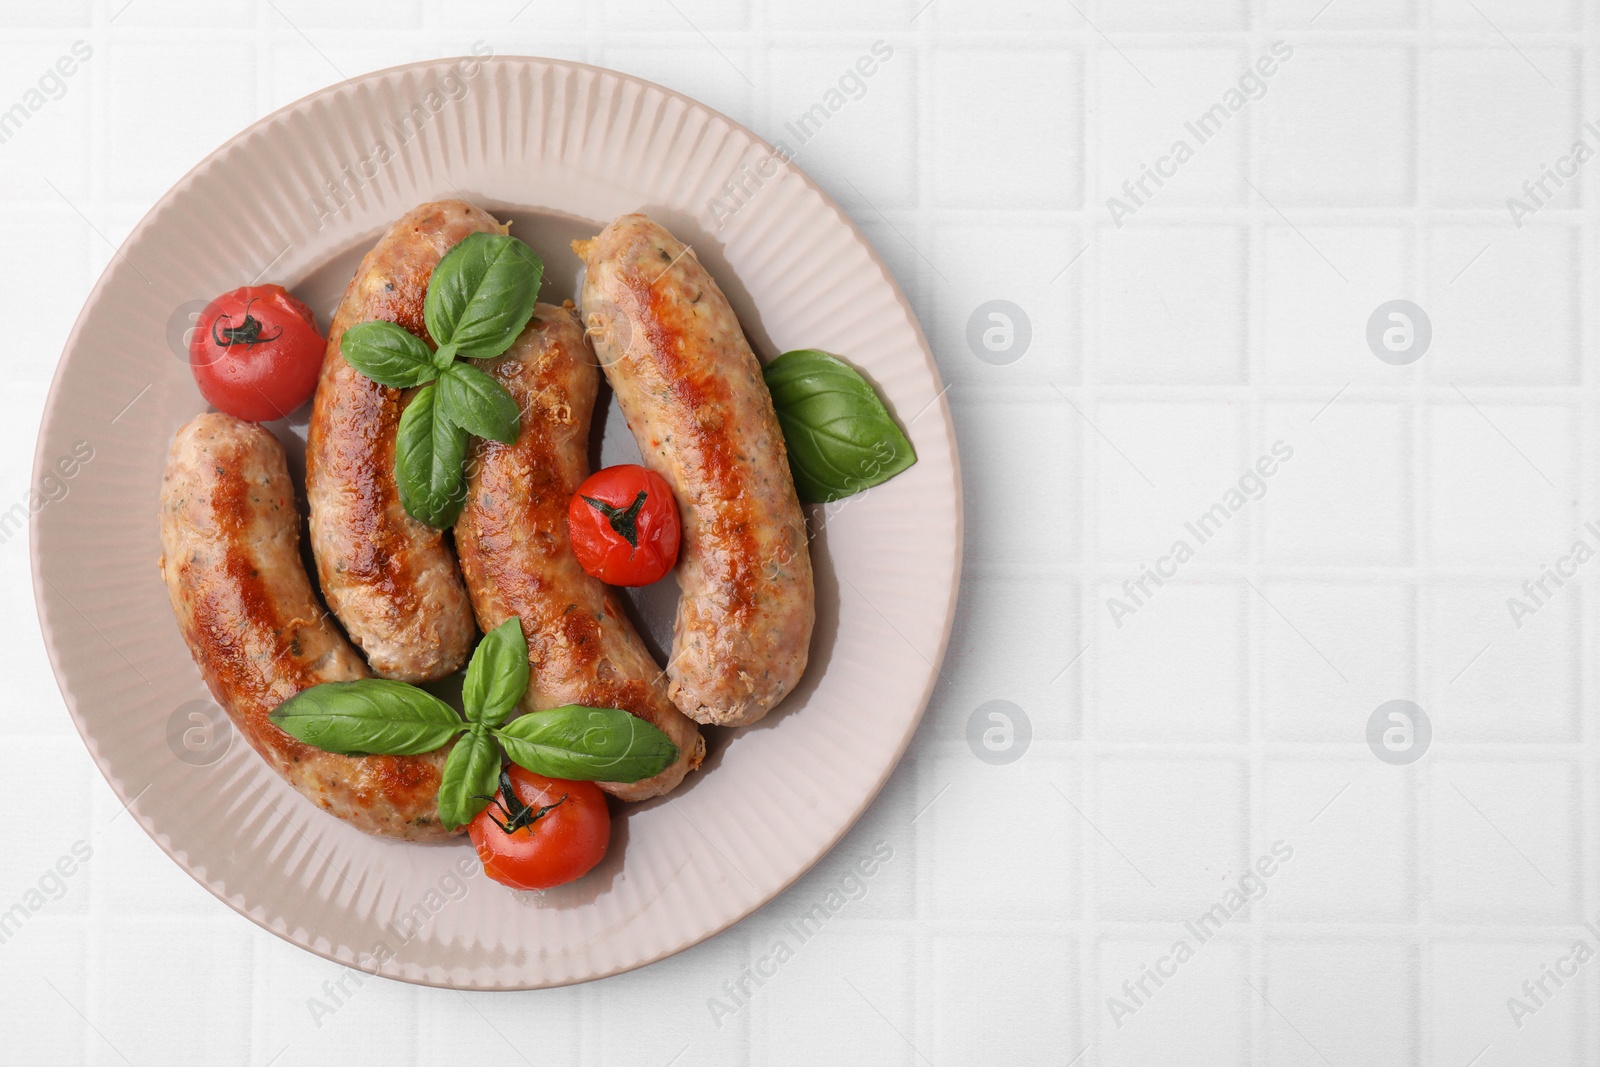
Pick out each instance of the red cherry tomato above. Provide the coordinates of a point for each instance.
(541, 832)
(624, 525)
(256, 353)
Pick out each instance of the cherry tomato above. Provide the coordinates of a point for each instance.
(256, 353)
(541, 832)
(624, 525)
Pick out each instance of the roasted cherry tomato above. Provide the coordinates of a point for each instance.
(540, 832)
(256, 353)
(624, 525)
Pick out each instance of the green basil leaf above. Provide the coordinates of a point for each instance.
(482, 293)
(587, 744)
(429, 450)
(471, 771)
(388, 354)
(840, 437)
(373, 716)
(478, 404)
(498, 674)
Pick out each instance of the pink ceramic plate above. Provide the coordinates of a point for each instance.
(557, 148)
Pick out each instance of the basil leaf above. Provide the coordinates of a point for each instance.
(470, 771)
(428, 454)
(482, 293)
(478, 404)
(373, 716)
(389, 354)
(840, 437)
(587, 744)
(498, 674)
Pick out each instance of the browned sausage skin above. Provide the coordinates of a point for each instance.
(692, 391)
(230, 541)
(518, 559)
(390, 579)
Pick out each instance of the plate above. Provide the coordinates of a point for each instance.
(559, 148)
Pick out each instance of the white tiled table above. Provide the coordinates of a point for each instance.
(1168, 754)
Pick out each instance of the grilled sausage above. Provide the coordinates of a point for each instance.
(230, 544)
(390, 579)
(518, 559)
(693, 395)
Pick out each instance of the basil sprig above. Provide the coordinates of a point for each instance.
(380, 717)
(479, 298)
(839, 435)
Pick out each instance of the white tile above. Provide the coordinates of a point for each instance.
(320, 1010)
(1025, 154)
(1147, 134)
(1204, 1000)
(1504, 842)
(863, 983)
(1170, 304)
(1504, 123)
(1351, 829)
(1501, 479)
(823, 106)
(1337, 128)
(47, 94)
(1488, 679)
(1160, 467)
(1314, 324)
(1174, 671)
(961, 844)
(842, 14)
(1026, 633)
(185, 14)
(307, 15)
(1026, 16)
(144, 1018)
(75, 13)
(1170, 14)
(55, 953)
(1028, 265)
(1510, 315)
(1507, 15)
(1343, 498)
(1368, 634)
(1469, 1002)
(50, 293)
(993, 433)
(57, 768)
(158, 110)
(1004, 999)
(651, 1015)
(1320, 986)
(41, 713)
(1173, 835)
(1344, 14)
(545, 1025)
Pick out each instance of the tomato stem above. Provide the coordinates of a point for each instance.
(248, 334)
(625, 521)
(518, 816)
